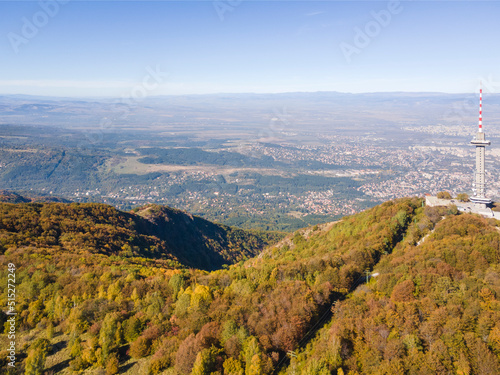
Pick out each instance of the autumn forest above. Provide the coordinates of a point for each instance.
(397, 289)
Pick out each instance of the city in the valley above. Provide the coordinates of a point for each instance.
(281, 161)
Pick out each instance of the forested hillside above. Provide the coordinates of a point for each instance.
(431, 309)
(12, 197)
(152, 232)
(434, 308)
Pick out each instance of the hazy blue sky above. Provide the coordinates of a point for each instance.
(110, 48)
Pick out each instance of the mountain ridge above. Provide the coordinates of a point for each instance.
(156, 232)
(304, 296)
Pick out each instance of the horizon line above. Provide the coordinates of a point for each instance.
(235, 93)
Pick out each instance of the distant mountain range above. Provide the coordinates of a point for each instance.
(315, 108)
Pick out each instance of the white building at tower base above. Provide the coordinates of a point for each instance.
(466, 207)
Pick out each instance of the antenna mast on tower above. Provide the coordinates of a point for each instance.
(481, 106)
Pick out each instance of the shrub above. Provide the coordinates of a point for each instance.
(443, 195)
(403, 292)
(112, 365)
(140, 347)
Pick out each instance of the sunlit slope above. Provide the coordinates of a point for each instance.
(155, 232)
(434, 308)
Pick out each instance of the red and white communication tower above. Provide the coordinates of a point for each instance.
(478, 185)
